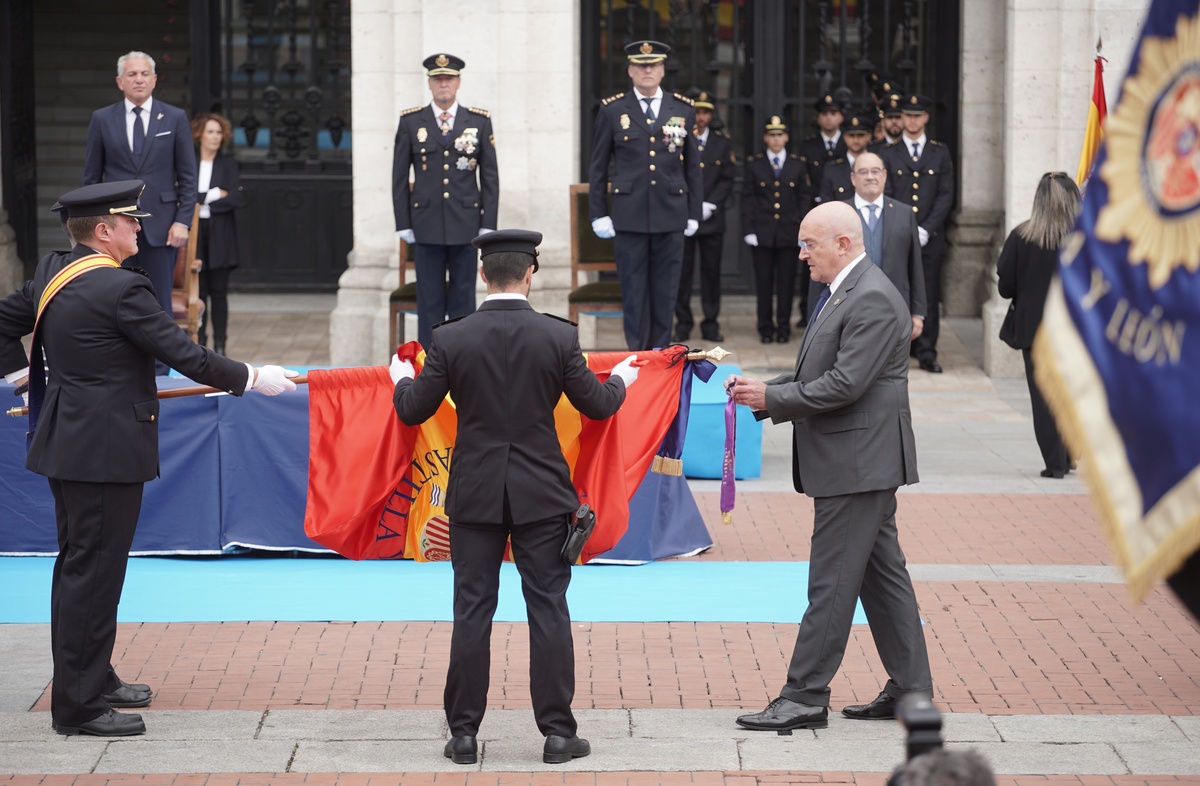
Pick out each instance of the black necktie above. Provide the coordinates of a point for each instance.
(139, 133)
(829, 146)
(650, 117)
(820, 304)
(916, 151)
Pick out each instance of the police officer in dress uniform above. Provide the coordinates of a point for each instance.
(657, 191)
(921, 174)
(856, 134)
(825, 146)
(776, 197)
(507, 367)
(716, 164)
(893, 124)
(455, 194)
(94, 432)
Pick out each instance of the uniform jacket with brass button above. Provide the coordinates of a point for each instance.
(101, 334)
(772, 207)
(716, 164)
(455, 192)
(927, 185)
(835, 182)
(816, 157)
(653, 188)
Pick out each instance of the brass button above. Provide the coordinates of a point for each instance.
(445, 195)
(445, 152)
(761, 184)
(616, 190)
(776, 216)
(915, 186)
(651, 139)
(914, 197)
(652, 154)
(445, 166)
(702, 164)
(777, 194)
(776, 205)
(841, 189)
(652, 167)
(416, 204)
(931, 171)
(422, 150)
(445, 181)
(653, 182)
(915, 209)
(152, 417)
(916, 173)
(777, 184)
(791, 185)
(899, 171)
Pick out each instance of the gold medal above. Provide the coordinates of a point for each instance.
(422, 134)
(625, 121)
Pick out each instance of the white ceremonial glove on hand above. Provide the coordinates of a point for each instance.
(406, 235)
(401, 369)
(923, 236)
(692, 226)
(626, 370)
(603, 227)
(483, 231)
(751, 240)
(273, 380)
(709, 208)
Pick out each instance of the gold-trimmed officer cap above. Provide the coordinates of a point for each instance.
(647, 52)
(862, 123)
(701, 99)
(915, 104)
(521, 241)
(775, 125)
(893, 105)
(443, 64)
(827, 103)
(115, 198)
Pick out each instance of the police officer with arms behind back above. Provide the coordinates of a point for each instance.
(657, 191)
(454, 197)
(93, 423)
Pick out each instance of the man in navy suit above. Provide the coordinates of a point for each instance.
(140, 138)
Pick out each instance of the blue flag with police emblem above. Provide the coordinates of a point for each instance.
(1118, 353)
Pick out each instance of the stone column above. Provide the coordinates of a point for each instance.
(522, 66)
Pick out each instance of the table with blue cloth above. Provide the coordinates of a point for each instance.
(234, 474)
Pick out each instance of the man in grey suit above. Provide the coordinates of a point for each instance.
(848, 403)
(890, 235)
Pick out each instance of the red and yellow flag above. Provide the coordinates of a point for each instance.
(377, 488)
(1093, 136)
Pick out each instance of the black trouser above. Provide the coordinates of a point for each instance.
(438, 300)
(96, 522)
(159, 264)
(476, 551)
(1045, 429)
(648, 266)
(214, 291)
(925, 347)
(774, 279)
(710, 282)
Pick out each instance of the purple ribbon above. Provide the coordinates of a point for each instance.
(727, 463)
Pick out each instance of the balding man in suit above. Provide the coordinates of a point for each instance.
(847, 401)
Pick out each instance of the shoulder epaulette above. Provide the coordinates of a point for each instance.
(719, 132)
(410, 111)
(478, 111)
(610, 99)
(795, 157)
(811, 138)
(935, 142)
(757, 156)
(449, 321)
(684, 99)
(560, 319)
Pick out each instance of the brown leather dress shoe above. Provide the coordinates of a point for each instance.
(783, 714)
(882, 708)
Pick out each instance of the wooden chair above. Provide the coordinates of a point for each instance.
(186, 306)
(404, 299)
(590, 254)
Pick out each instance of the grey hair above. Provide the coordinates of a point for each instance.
(134, 56)
(943, 767)
(1056, 205)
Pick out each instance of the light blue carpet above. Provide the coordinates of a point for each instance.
(318, 589)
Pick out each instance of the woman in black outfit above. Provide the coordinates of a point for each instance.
(220, 195)
(1026, 267)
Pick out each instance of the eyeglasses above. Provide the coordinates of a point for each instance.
(874, 172)
(806, 245)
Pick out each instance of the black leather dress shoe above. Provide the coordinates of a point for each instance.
(110, 724)
(783, 337)
(127, 696)
(1054, 473)
(681, 336)
(783, 714)
(559, 750)
(713, 335)
(802, 322)
(882, 708)
(930, 365)
(137, 686)
(766, 338)
(462, 750)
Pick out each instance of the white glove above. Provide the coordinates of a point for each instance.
(923, 236)
(603, 227)
(626, 370)
(709, 208)
(406, 235)
(25, 398)
(401, 369)
(212, 195)
(751, 240)
(273, 380)
(483, 231)
(692, 226)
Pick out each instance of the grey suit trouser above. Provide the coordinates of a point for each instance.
(856, 553)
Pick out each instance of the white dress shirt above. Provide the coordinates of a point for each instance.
(861, 204)
(920, 142)
(701, 139)
(825, 140)
(437, 113)
(840, 277)
(147, 108)
(505, 296)
(655, 103)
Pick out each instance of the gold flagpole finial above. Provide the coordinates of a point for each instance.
(716, 354)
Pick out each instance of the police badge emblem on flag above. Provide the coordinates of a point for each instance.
(1118, 352)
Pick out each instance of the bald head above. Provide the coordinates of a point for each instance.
(831, 238)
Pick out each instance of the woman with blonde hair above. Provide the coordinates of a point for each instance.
(1026, 267)
(220, 195)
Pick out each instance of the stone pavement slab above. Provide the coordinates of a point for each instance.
(1088, 728)
(373, 756)
(134, 755)
(802, 751)
(1039, 758)
(49, 757)
(353, 725)
(1160, 758)
(184, 726)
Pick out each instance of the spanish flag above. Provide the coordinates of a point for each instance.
(1094, 135)
(377, 488)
